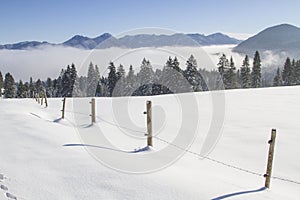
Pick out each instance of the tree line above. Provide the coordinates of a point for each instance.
(147, 81)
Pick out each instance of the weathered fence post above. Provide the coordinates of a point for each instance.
(45, 96)
(149, 123)
(63, 109)
(93, 110)
(38, 98)
(42, 99)
(270, 158)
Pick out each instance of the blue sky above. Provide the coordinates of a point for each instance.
(58, 20)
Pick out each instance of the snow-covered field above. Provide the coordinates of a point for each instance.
(45, 157)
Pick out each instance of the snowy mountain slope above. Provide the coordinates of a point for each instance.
(283, 38)
(45, 157)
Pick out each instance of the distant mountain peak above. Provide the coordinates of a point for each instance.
(280, 38)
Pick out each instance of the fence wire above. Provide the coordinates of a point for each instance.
(205, 157)
(195, 153)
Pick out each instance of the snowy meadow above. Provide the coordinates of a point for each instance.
(46, 157)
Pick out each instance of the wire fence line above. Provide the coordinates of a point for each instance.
(191, 152)
(211, 159)
(206, 157)
(285, 179)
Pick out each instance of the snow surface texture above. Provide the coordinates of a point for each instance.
(43, 157)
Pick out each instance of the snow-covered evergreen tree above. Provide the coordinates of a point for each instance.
(131, 82)
(230, 76)
(1, 83)
(39, 87)
(223, 66)
(9, 86)
(120, 87)
(49, 87)
(277, 79)
(73, 78)
(92, 82)
(145, 79)
(21, 90)
(256, 71)
(297, 72)
(245, 73)
(97, 71)
(238, 79)
(192, 74)
(32, 89)
(112, 78)
(287, 73)
(173, 79)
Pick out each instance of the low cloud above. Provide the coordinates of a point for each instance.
(48, 61)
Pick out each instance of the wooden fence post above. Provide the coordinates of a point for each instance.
(38, 98)
(149, 123)
(63, 109)
(45, 96)
(93, 110)
(42, 100)
(270, 158)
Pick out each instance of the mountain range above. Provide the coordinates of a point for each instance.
(281, 39)
(106, 40)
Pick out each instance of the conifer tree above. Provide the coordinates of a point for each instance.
(69, 77)
(297, 72)
(145, 79)
(277, 79)
(26, 88)
(49, 87)
(9, 86)
(223, 66)
(58, 86)
(245, 73)
(99, 90)
(287, 73)
(32, 89)
(173, 79)
(73, 78)
(120, 72)
(120, 87)
(97, 73)
(256, 71)
(39, 87)
(131, 81)
(294, 73)
(1, 83)
(112, 78)
(230, 79)
(238, 78)
(167, 76)
(91, 81)
(192, 74)
(21, 90)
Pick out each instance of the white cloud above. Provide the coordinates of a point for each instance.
(48, 61)
(240, 36)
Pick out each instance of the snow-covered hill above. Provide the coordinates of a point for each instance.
(45, 157)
